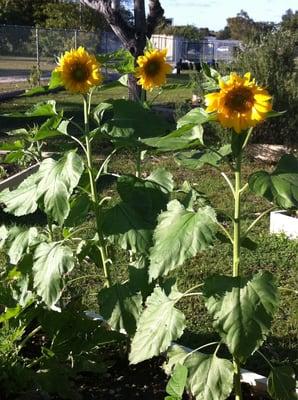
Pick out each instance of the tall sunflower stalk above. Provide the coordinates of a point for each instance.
(239, 104)
(151, 73)
(80, 73)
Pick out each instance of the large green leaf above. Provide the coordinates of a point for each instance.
(158, 326)
(130, 223)
(128, 228)
(120, 307)
(54, 182)
(209, 377)
(145, 196)
(176, 384)
(196, 116)
(179, 235)
(20, 239)
(242, 310)
(80, 206)
(282, 383)
(197, 159)
(56, 80)
(57, 183)
(185, 137)
(164, 179)
(126, 121)
(73, 333)
(51, 262)
(22, 200)
(50, 128)
(11, 146)
(42, 109)
(281, 186)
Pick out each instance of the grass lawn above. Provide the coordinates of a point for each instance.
(72, 104)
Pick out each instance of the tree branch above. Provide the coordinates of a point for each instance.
(155, 14)
(113, 16)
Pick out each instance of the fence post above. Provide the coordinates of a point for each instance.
(75, 39)
(37, 54)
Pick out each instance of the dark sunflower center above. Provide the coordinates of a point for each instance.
(152, 68)
(239, 99)
(79, 73)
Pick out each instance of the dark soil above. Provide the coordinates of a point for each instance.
(145, 381)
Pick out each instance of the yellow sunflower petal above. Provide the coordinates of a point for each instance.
(152, 69)
(240, 103)
(79, 70)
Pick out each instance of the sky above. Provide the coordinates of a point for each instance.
(213, 13)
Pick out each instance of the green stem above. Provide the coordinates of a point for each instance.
(28, 337)
(95, 199)
(236, 258)
(265, 358)
(225, 231)
(138, 163)
(228, 182)
(237, 218)
(237, 380)
(258, 219)
(193, 294)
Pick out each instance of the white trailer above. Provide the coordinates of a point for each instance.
(174, 45)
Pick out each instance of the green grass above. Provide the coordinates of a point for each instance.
(72, 104)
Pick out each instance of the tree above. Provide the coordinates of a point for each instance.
(189, 32)
(290, 21)
(61, 15)
(224, 33)
(132, 34)
(244, 28)
(18, 12)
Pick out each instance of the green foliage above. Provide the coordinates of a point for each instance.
(54, 183)
(176, 384)
(120, 307)
(158, 326)
(209, 376)
(51, 263)
(281, 186)
(244, 28)
(197, 159)
(147, 226)
(242, 310)
(130, 223)
(282, 383)
(188, 32)
(180, 234)
(126, 122)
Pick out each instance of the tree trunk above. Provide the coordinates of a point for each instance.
(133, 37)
(135, 90)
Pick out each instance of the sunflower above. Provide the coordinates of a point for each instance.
(79, 70)
(240, 103)
(152, 69)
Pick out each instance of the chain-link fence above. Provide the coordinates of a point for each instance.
(25, 50)
(23, 47)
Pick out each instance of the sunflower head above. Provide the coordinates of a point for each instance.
(240, 103)
(152, 69)
(79, 70)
